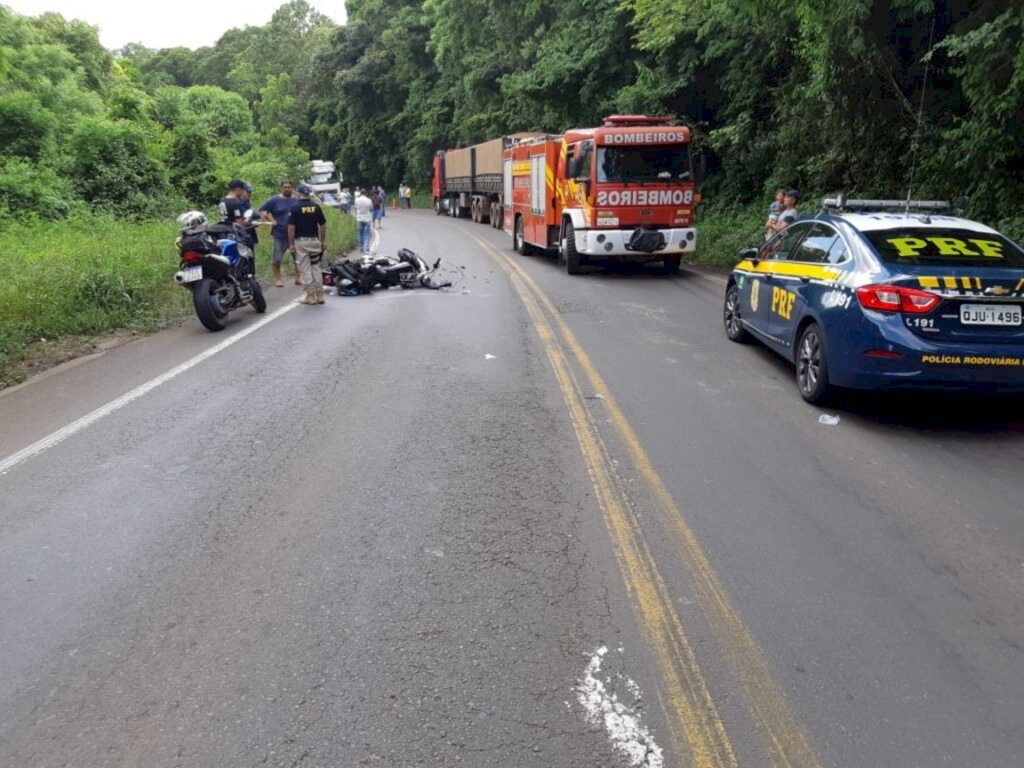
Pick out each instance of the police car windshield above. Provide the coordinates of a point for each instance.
(643, 163)
(930, 246)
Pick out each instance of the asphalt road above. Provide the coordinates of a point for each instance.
(532, 520)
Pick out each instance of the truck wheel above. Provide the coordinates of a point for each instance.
(572, 256)
(209, 310)
(474, 212)
(671, 264)
(518, 239)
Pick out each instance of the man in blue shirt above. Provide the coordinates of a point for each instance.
(277, 210)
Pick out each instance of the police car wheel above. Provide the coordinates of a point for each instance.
(731, 315)
(811, 366)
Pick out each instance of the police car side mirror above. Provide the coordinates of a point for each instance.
(750, 254)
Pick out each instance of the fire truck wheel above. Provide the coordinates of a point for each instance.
(518, 240)
(671, 265)
(572, 256)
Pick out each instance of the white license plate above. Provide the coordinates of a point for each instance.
(990, 314)
(192, 274)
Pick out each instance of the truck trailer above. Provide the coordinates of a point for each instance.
(467, 182)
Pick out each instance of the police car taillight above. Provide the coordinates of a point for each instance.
(896, 298)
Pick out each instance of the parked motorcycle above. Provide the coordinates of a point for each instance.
(356, 276)
(218, 266)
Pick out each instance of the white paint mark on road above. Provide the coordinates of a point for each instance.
(489, 356)
(828, 421)
(621, 721)
(105, 410)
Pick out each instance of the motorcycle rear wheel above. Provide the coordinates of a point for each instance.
(209, 310)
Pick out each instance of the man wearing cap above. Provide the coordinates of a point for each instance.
(233, 210)
(277, 210)
(306, 228)
(234, 206)
(789, 213)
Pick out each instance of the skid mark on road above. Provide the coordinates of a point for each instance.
(690, 711)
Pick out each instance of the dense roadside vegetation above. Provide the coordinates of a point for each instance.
(825, 96)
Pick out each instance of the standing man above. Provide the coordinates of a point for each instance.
(364, 217)
(233, 210)
(233, 207)
(789, 213)
(277, 210)
(378, 207)
(306, 232)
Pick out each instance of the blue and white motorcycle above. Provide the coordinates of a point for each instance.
(218, 266)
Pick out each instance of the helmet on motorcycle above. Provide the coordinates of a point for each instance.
(192, 219)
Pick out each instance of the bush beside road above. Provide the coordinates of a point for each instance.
(68, 283)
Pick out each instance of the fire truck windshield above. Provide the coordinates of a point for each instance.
(643, 163)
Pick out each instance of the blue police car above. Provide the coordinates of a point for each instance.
(885, 294)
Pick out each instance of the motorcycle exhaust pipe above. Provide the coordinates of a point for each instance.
(179, 278)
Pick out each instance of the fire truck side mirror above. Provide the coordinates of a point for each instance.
(700, 167)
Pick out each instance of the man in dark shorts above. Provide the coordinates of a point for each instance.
(277, 210)
(306, 228)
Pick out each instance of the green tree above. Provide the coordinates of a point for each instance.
(113, 166)
(222, 114)
(190, 166)
(26, 127)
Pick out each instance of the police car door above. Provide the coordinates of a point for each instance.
(802, 282)
(763, 282)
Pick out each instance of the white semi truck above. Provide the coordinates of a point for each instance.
(325, 180)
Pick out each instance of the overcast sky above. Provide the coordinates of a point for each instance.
(166, 23)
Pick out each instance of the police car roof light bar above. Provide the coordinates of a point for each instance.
(842, 203)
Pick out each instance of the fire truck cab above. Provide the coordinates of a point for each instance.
(621, 192)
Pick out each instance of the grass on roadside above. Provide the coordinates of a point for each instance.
(87, 277)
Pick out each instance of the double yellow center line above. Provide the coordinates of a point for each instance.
(694, 723)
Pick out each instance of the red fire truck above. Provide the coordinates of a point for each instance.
(621, 192)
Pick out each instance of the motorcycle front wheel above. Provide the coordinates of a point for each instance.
(209, 310)
(259, 303)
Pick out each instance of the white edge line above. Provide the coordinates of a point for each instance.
(105, 410)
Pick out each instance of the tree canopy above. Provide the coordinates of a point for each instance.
(853, 95)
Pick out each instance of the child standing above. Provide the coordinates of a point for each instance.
(774, 211)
